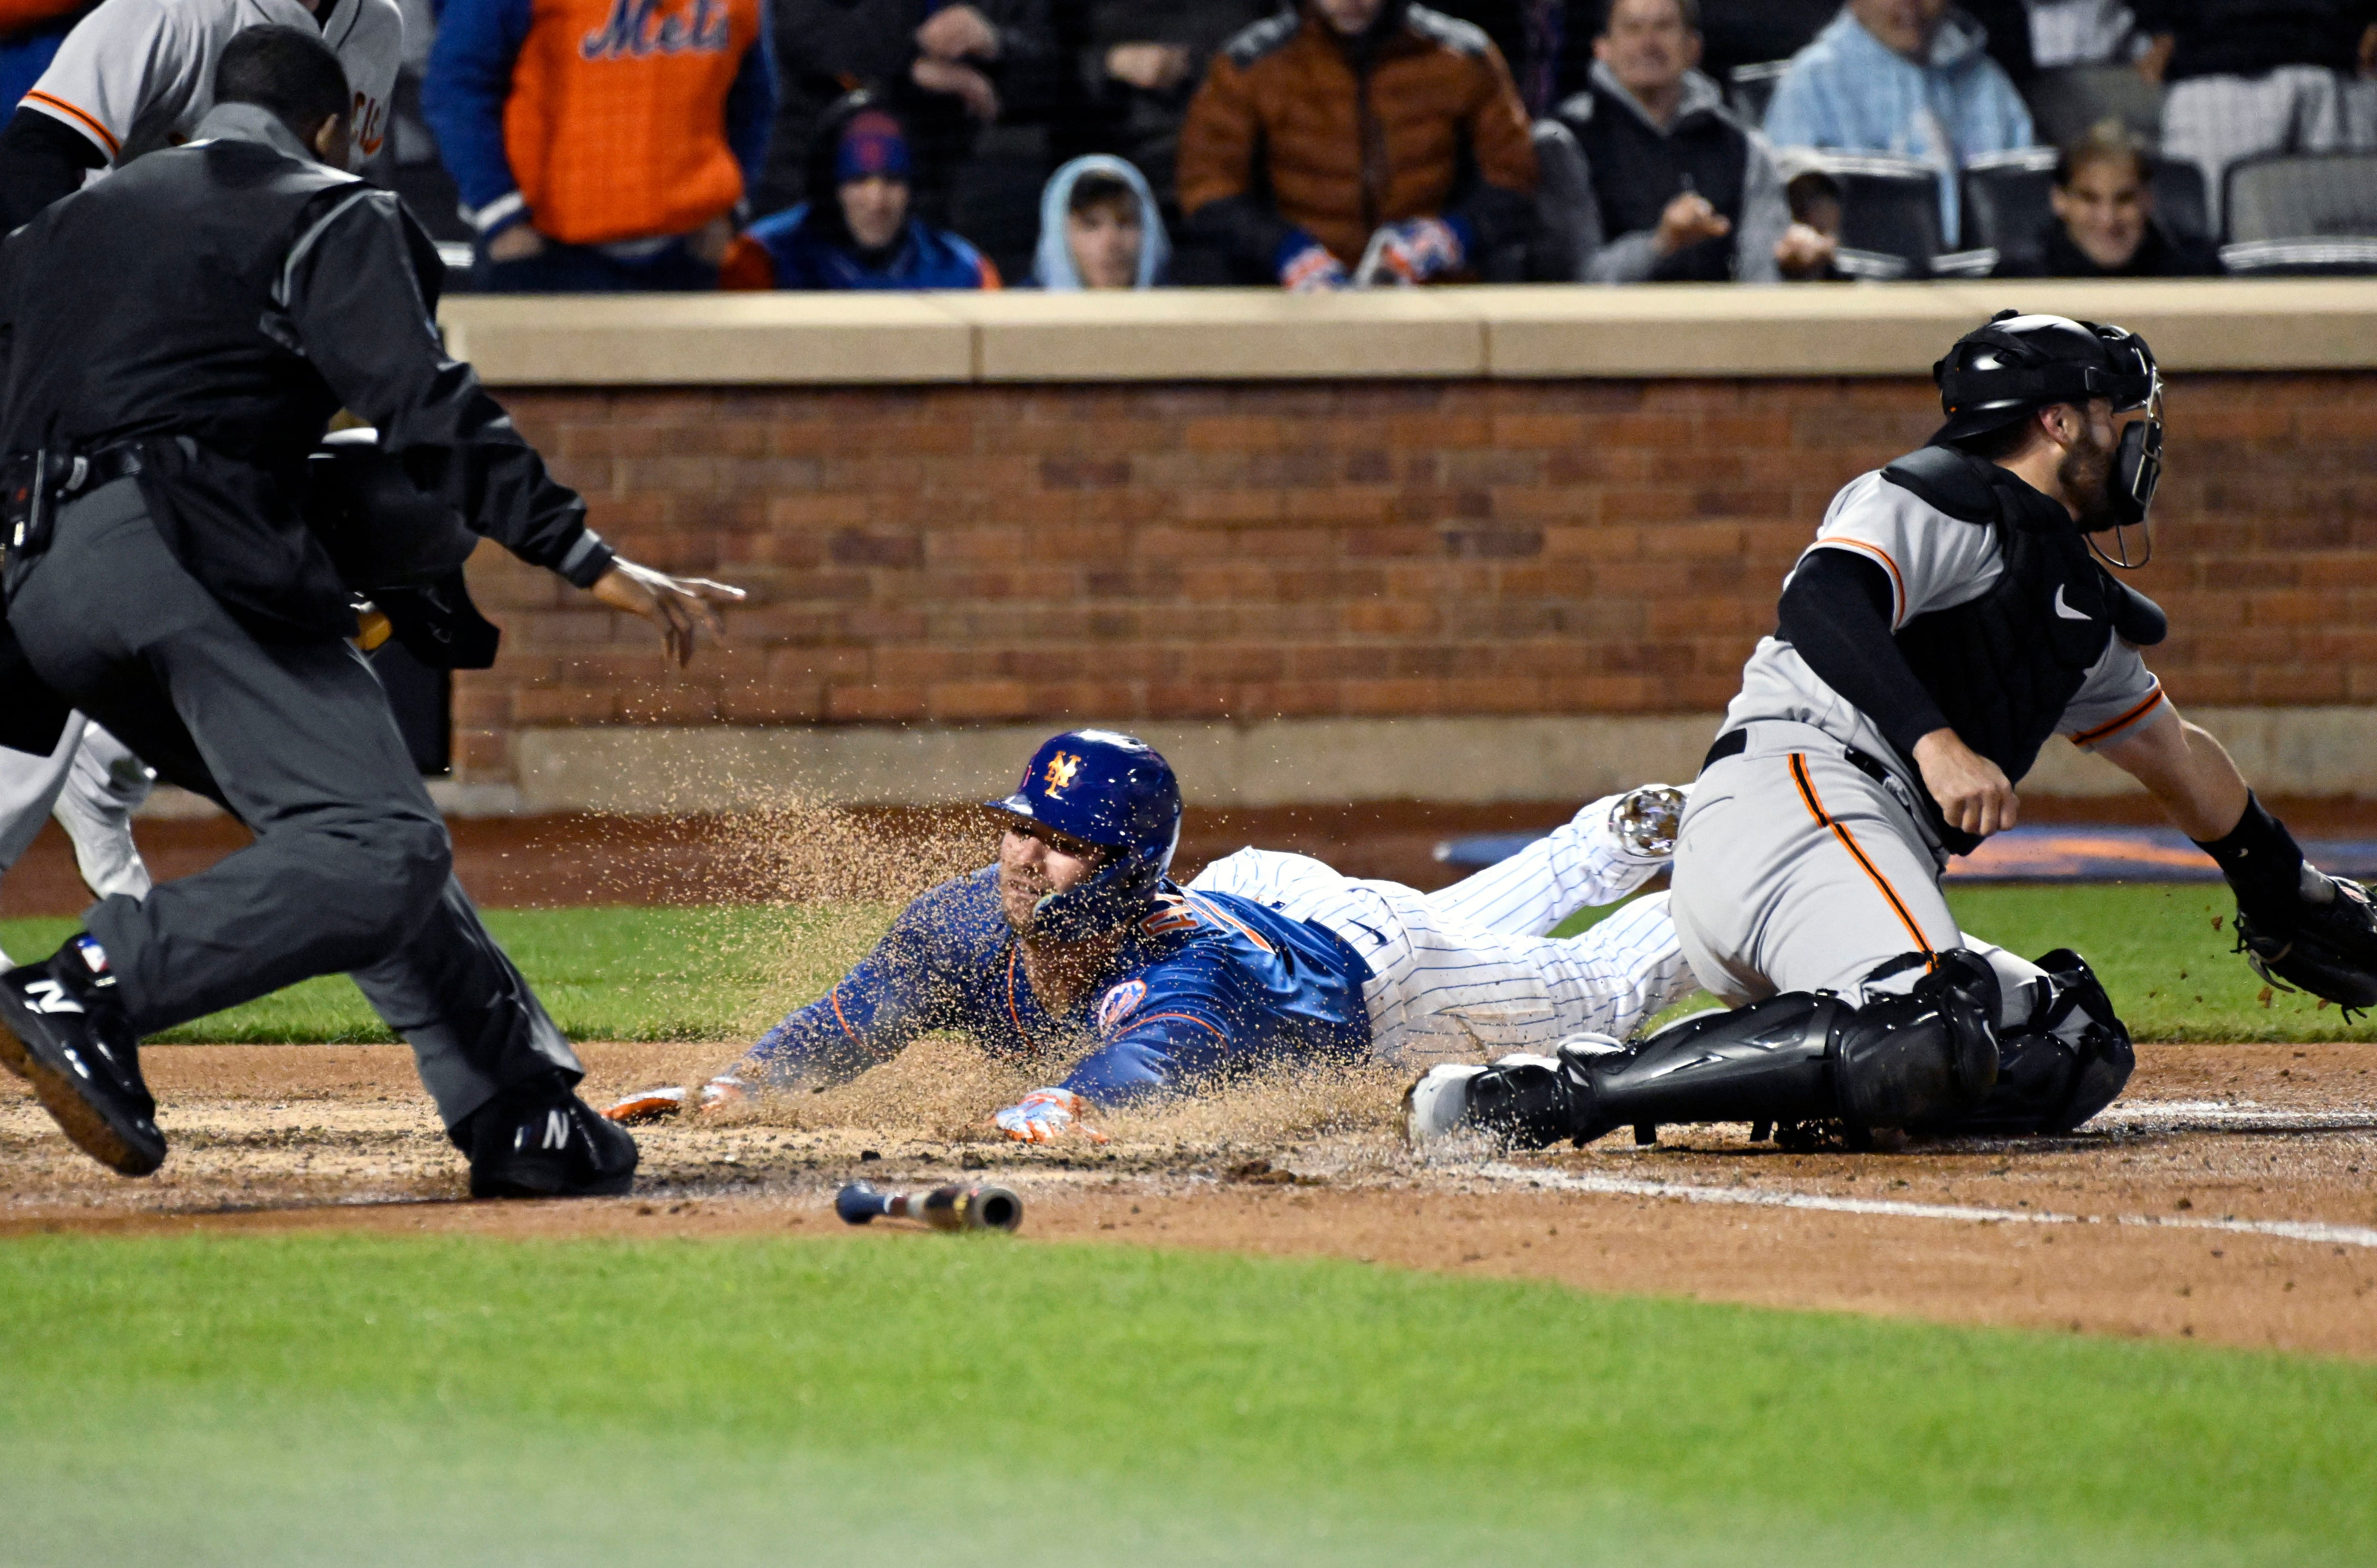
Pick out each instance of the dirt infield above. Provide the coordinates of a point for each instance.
(2231, 1196)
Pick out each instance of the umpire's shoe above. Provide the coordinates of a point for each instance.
(538, 1140)
(63, 1030)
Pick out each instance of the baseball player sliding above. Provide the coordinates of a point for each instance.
(1077, 943)
(1948, 620)
(133, 76)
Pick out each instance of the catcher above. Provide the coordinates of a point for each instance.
(1948, 620)
(1077, 945)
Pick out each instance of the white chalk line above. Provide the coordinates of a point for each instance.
(2232, 1116)
(1758, 1197)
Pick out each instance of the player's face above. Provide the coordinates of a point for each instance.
(2086, 470)
(1034, 862)
(2104, 209)
(874, 207)
(1106, 242)
(1647, 46)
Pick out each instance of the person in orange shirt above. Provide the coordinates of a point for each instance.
(601, 146)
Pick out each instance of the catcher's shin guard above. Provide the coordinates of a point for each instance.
(1925, 1057)
(2069, 1060)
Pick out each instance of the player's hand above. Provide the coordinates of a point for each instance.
(1311, 269)
(1973, 793)
(707, 244)
(1151, 68)
(1803, 252)
(958, 32)
(516, 244)
(653, 1105)
(1412, 251)
(1046, 1115)
(1688, 220)
(676, 605)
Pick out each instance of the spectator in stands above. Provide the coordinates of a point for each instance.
(1346, 132)
(1142, 63)
(1677, 190)
(1908, 77)
(2103, 224)
(2085, 50)
(2250, 76)
(600, 147)
(863, 233)
(1100, 228)
(947, 70)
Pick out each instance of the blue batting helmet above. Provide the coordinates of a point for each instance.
(1107, 789)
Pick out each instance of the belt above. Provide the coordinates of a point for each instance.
(36, 484)
(1733, 742)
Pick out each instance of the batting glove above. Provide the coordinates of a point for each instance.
(652, 1105)
(1307, 267)
(1413, 252)
(1046, 1115)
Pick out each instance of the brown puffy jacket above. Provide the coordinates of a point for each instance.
(1297, 127)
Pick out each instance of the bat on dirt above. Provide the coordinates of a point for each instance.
(958, 1207)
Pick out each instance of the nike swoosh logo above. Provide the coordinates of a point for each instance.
(2064, 610)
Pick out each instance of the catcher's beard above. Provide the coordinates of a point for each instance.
(2085, 474)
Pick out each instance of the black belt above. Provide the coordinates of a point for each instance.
(35, 484)
(1733, 742)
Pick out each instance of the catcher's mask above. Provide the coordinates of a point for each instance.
(2016, 364)
(1107, 789)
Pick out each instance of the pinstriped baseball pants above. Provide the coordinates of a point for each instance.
(1471, 973)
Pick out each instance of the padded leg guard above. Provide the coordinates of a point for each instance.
(1927, 1056)
(2070, 1059)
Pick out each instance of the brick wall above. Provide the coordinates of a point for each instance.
(982, 553)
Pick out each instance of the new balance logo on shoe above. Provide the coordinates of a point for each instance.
(556, 1129)
(49, 996)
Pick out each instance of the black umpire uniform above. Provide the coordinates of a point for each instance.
(178, 337)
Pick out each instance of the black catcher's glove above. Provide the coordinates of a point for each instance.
(2299, 927)
(2325, 943)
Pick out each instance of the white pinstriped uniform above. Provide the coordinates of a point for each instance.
(1472, 970)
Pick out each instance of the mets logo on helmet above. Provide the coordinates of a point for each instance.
(1061, 770)
(1120, 1003)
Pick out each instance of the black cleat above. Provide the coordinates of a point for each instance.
(62, 1031)
(538, 1140)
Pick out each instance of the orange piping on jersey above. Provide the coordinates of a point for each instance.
(1857, 853)
(1188, 1018)
(2089, 737)
(834, 996)
(1898, 582)
(81, 118)
(1013, 955)
(1224, 916)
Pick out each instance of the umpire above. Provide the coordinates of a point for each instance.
(177, 339)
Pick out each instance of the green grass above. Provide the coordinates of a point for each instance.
(724, 972)
(922, 1399)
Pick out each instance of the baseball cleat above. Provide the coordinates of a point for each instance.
(63, 1031)
(657, 1105)
(1435, 1104)
(538, 1140)
(1645, 820)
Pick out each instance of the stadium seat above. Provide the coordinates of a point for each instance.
(1889, 206)
(1556, 254)
(1751, 88)
(2316, 196)
(2302, 258)
(2006, 200)
(2179, 201)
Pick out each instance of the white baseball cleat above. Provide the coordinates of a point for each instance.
(1437, 1107)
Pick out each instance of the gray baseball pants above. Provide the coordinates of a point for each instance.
(352, 869)
(1798, 871)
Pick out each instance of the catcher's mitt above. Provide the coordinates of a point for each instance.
(2324, 943)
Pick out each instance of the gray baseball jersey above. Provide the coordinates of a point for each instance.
(137, 74)
(1796, 868)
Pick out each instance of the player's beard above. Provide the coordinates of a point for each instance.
(2085, 475)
